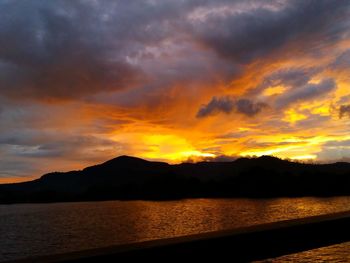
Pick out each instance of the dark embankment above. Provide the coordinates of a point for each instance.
(133, 178)
(239, 245)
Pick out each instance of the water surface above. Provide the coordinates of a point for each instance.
(39, 229)
(339, 253)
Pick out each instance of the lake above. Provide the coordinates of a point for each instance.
(42, 229)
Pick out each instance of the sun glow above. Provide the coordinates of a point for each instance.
(292, 116)
(171, 148)
(305, 157)
(292, 152)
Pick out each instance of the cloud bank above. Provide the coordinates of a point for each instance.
(228, 105)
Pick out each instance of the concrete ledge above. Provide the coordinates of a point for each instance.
(238, 245)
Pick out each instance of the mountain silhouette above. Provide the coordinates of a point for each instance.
(128, 178)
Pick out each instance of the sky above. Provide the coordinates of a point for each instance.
(172, 80)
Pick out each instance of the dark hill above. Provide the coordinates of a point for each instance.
(127, 177)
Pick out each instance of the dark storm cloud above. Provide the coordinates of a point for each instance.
(307, 92)
(345, 143)
(69, 49)
(29, 143)
(216, 105)
(73, 146)
(337, 150)
(289, 77)
(10, 167)
(189, 70)
(257, 32)
(298, 86)
(65, 49)
(344, 110)
(312, 120)
(248, 107)
(228, 105)
(342, 62)
(27, 138)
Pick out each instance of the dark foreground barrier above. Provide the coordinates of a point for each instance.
(238, 245)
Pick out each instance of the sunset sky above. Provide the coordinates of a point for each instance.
(85, 81)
